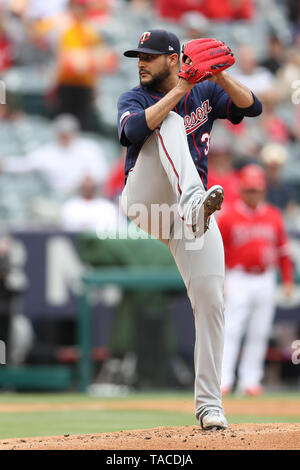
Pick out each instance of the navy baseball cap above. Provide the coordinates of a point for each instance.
(156, 41)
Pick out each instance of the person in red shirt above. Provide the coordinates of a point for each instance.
(255, 244)
(114, 184)
(174, 9)
(221, 171)
(6, 49)
(225, 10)
(229, 10)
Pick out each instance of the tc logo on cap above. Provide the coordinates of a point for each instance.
(144, 37)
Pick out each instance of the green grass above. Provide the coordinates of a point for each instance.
(52, 422)
(86, 422)
(92, 422)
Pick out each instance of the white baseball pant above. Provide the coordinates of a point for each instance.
(165, 174)
(249, 312)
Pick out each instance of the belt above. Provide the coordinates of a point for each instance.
(254, 269)
(250, 269)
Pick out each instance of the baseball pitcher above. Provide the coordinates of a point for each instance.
(165, 123)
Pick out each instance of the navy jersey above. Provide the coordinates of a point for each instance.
(199, 108)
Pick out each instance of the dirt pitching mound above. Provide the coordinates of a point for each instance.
(280, 436)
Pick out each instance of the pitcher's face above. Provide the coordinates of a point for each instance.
(153, 69)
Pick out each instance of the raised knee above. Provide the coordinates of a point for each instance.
(174, 119)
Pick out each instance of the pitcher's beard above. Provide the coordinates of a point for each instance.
(156, 80)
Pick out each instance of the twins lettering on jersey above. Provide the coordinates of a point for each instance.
(197, 118)
(191, 121)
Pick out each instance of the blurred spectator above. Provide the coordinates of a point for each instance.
(279, 194)
(272, 126)
(37, 10)
(195, 26)
(139, 6)
(275, 54)
(248, 137)
(245, 139)
(89, 211)
(174, 9)
(64, 162)
(288, 76)
(114, 184)
(82, 56)
(227, 10)
(259, 79)
(29, 47)
(255, 244)
(221, 171)
(130, 16)
(99, 10)
(6, 50)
